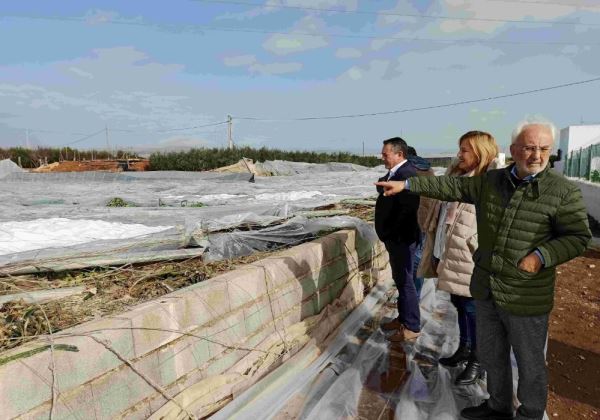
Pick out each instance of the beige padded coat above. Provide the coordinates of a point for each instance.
(456, 265)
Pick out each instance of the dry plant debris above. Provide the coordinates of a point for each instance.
(109, 291)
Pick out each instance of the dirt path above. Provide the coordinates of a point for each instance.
(574, 342)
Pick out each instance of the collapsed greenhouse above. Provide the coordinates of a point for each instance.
(173, 295)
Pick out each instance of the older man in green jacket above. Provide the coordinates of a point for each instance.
(529, 220)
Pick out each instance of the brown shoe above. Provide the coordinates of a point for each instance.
(397, 337)
(403, 335)
(410, 335)
(392, 325)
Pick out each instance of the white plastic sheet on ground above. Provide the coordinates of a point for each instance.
(341, 399)
(59, 232)
(195, 204)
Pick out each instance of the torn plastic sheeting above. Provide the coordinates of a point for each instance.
(100, 260)
(295, 230)
(327, 377)
(267, 397)
(426, 397)
(341, 399)
(84, 176)
(282, 167)
(172, 238)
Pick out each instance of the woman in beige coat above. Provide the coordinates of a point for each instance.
(451, 230)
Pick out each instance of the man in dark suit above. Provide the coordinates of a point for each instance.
(397, 227)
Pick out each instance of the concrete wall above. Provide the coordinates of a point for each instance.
(591, 196)
(125, 363)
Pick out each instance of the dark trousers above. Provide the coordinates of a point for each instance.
(465, 308)
(401, 261)
(497, 332)
(418, 254)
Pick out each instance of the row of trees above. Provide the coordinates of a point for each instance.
(206, 159)
(31, 158)
(192, 160)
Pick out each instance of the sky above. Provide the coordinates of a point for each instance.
(327, 75)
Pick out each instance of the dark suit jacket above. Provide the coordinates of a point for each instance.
(396, 216)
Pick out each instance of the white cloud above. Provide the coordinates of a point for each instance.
(81, 73)
(283, 44)
(98, 17)
(374, 70)
(348, 53)
(274, 6)
(498, 10)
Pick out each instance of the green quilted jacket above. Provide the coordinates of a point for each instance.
(547, 213)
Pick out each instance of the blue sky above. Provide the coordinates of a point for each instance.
(162, 74)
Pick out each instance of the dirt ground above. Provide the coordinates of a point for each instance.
(574, 341)
(96, 165)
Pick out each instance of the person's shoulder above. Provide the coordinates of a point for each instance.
(558, 181)
(409, 169)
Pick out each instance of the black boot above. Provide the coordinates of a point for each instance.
(472, 372)
(484, 412)
(460, 355)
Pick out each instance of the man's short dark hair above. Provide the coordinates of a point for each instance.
(398, 145)
(412, 151)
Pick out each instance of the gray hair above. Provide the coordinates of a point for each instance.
(533, 121)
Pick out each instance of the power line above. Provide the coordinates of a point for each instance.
(399, 111)
(190, 128)
(550, 3)
(332, 35)
(400, 38)
(409, 15)
(84, 138)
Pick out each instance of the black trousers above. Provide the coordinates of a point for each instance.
(402, 261)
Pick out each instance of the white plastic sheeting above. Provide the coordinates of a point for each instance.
(195, 204)
(8, 167)
(341, 399)
(268, 396)
(56, 232)
(330, 388)
(297, 229)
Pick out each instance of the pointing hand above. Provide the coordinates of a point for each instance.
(391, 187)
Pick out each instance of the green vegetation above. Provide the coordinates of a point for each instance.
(206, 159)
(195, 204)
(119, 202)
(31, 158)
(595, 176)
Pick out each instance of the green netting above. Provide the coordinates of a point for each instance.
(584, 163)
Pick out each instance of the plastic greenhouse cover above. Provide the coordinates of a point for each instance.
(8, 167)
(331, 386)
(293, 231)
(191, 204)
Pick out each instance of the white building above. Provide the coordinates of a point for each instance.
(575, 137)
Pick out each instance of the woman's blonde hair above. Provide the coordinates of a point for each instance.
(484, 147)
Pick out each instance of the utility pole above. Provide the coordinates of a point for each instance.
(27, 138)
(229, 129)
(107, 145)
(363, 148)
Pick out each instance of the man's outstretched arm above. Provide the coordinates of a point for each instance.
(446, 188)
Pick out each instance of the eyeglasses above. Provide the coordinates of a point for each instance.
(532, 149)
